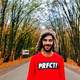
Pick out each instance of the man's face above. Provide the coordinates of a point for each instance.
(47, 43)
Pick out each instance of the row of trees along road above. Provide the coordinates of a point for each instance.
(17, 29)
(68, 38)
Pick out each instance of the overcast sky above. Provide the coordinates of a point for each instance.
(43, 14)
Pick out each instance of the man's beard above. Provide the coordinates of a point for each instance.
(49, 50)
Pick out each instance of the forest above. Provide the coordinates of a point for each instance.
(21, 23)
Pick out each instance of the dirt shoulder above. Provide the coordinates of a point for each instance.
(72, 65)
(6, 67)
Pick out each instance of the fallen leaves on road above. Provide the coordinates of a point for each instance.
(72, 65)
(71, 62)
(13, 63)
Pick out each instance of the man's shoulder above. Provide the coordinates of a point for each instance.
(58, 55)
(36, 55)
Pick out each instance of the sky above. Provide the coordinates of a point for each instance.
(44, 13)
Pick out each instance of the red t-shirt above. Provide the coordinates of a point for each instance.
(46, 68)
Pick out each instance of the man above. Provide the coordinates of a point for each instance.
(46, 64)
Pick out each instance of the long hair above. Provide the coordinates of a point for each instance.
(40, 44)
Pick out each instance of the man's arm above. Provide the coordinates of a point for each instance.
(61, 69)
(31, 72)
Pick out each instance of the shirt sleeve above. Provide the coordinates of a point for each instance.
(61, 69)
(31, 72)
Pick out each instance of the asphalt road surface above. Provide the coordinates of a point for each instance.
(20, 73)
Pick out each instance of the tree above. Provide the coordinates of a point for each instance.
(17, 31)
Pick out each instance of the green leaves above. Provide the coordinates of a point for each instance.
(19, 31)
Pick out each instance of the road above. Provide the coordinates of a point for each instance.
(20, 73)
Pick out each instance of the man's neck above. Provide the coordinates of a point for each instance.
(47, 54)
